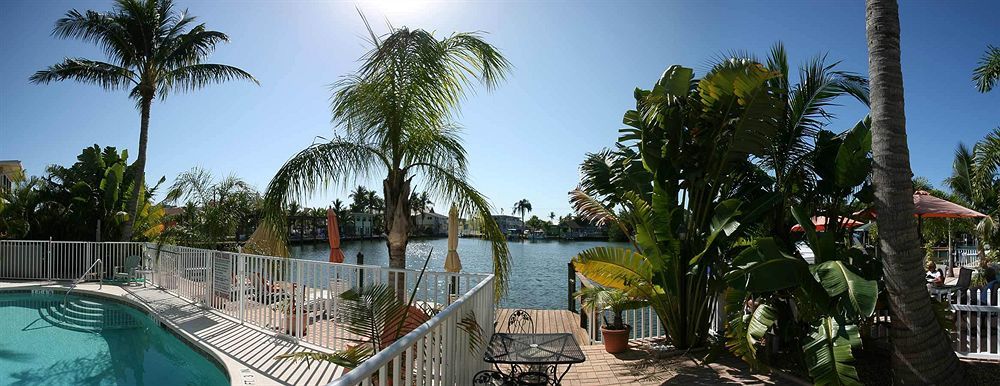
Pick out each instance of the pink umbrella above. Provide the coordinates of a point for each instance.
(333, 233)
(820, 223)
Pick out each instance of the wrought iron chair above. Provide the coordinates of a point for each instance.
(519, 322)
(492, 378)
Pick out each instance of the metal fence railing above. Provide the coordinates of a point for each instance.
(296, 298)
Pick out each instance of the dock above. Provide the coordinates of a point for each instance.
(549, 321)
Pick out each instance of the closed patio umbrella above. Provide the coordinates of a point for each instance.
(333, 233)
(819, 222)
(453, 263)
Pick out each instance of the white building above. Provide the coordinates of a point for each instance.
(8, 170)
(431, 223)
(363, 225)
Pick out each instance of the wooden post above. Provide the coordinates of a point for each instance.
(571, 286)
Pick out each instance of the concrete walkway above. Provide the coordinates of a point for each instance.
(246, 352)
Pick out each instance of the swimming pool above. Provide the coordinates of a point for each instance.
(92, 341)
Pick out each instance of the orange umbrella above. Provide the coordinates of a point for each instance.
(819, 222)
(333, 233)
(926, 205)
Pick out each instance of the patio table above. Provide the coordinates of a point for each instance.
(546, 351)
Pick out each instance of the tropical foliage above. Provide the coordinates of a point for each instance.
(152, 51)
(396, 115)
(213, 211)
(694, 138)
(975, 179)
(85, 201)
(705, 169)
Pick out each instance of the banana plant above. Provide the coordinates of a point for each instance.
(827, 301)
(694, 139)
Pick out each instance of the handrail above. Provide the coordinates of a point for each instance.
(397, 348)
(100, 278)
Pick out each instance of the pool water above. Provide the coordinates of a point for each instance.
(91, 341)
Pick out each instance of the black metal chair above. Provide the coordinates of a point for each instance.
(520, 322)
(491, 378)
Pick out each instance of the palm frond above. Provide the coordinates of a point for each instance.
(349, 358)
(316, 167)
(106, 75)
(445, 183)
(593, 211)
(616, 268)
(988, 71)
(196, 76)
(191, 47)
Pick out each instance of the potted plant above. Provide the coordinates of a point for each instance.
(290, 317)
(600, 299)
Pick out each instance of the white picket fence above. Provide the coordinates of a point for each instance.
(296, 298)
(977, 322)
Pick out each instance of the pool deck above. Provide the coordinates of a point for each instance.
(247, 352)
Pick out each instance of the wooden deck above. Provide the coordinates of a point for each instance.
(549, 321)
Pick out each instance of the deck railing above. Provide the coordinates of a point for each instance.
(439, 352)
(296, 298)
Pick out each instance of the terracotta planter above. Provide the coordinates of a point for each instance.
(288, 324)
(615, 341)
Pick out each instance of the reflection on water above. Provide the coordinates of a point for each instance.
(538, 274)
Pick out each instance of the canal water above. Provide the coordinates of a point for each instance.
(538, 272)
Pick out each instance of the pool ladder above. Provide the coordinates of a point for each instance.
(100, 279)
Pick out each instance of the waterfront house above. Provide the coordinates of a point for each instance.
(509, 224)
(431, 224)
(573, 230)
(359, 225)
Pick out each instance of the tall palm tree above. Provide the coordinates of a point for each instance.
(922, 353)
(988, 72)
(153, 51)
(522, 206)
(396, 115)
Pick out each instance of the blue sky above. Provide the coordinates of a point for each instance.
(575, 66)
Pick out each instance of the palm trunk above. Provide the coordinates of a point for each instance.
(397, 221)
(139, 166)
(922, 353)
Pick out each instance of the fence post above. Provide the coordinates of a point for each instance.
(241, 276)
(210, 277)
(571, 288)
(48, 258)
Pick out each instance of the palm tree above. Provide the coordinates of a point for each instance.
(153, 51)
(360, 197)
(922, 353)
(976, 181)
(804, 113)
(338, 207)
(988, 72)
(522, 206)
(396, 115)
